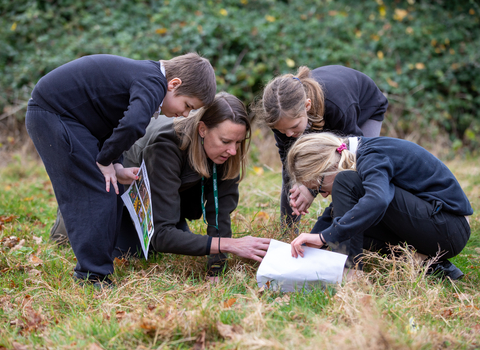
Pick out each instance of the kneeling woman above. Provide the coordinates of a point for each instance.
(385, 191)
(194, 166)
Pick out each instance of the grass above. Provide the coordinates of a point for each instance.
(165, 302)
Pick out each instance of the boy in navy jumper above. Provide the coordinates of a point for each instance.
(329, 98)
(83, 115)
(384, 191)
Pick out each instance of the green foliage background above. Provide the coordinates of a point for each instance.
(423, 54)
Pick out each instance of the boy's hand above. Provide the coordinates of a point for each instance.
(125, 175)
(300, 199)
(110, 177)
(309, 239)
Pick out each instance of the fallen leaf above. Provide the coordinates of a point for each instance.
(447, 313)
(476, 328)
(229, 302)
(200, 341)
(34, 272)
(262, 216)
(37, 240)
(284, 300)
(461, 296)
(95, 346)
(258, 170)
(18, 246)
(120, 262)
(120, 315)
(229, 332)
(18, 346)
(11, 241)
(35, 260)
(4, 219)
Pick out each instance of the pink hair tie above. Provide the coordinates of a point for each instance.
(341, 148)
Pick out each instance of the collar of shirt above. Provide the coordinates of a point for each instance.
(353, 144)
(157, 113)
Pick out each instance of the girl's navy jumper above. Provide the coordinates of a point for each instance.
(351, 98)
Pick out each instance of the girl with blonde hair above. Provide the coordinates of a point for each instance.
(385, 191)
(329, 98)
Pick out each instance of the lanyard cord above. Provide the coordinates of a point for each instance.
(215, 196)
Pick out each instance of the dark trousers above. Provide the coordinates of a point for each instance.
(91, 214)
(408, 219)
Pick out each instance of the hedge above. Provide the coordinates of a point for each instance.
(424, 55)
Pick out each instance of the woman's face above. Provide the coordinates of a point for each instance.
(222, 141)
(294, 126)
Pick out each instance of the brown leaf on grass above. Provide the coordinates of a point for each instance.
(229, 302)
(476, 328)
(151, 307)
(462, 296)
(37, 240)
(95, 346)
(30, 321)
(261, 217)
(4, 219)
(34, 272)
(284, 300)
(120, 315)
(200, 341)
(148, 324)
(447, 313)
(106, 317)
(18, 346)
(229, 332)
(35, 260)
(19, 245)
(10, 242)
(120, 262)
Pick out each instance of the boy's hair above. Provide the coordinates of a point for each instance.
(197, 75)
(224, 107)
(315, 155)
(285, 96)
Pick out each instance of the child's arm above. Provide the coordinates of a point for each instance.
(126, 175)
(310, 240)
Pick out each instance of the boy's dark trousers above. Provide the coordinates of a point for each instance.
(408, 218)
(91, 214)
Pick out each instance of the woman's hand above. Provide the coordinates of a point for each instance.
(248, 247)
(110, 176)
(126, 175)
(309, 239)
(300, 199)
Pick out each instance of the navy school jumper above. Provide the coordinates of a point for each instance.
(399, 193)
(351, 98)
(91, 110)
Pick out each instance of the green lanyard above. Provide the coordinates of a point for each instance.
(215, 196)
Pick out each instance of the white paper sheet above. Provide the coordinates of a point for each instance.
(286, 273)
(137, 200)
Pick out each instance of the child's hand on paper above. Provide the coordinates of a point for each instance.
(300, 199)
(126, 175)
(309, 239)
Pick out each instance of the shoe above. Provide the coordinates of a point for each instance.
(216, 265)
(58, 233)
(444, 269)
(94, 281)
